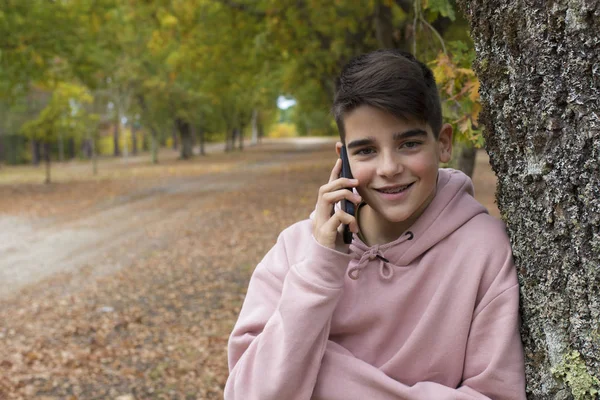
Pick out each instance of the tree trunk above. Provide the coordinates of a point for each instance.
(193, 136)
(134, 143)
(154, 145)
(201, 141)
(175, 137)
(86, 148)
(466, 159)
(71, 148)
(94, 155)
(234, 135)
(116, 135)
(241, 138)
(186, 139)
(47, 159)
(153, 132)
(254, 124)
(539, 71)
(35, 152)
(261, 132)
(384, 28)
(229, 140)
(61, 148)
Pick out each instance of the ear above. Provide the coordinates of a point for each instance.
(338, 148)
(445, 143)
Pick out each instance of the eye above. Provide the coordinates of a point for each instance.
(365, 151)
(410, 145)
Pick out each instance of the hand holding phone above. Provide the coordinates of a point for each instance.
(327, 220)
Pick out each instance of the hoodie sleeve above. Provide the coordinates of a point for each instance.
(493, 366)
(277, 344)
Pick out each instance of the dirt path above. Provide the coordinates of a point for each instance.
(112, 234)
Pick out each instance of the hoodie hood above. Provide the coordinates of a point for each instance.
(452, 207)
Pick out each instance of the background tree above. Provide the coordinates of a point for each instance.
(64, 115)
(540, 86)
(213, 69)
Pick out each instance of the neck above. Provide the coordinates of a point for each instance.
(376, 229)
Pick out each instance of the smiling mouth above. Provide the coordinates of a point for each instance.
(396, 189)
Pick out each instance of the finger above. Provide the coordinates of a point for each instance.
(340, 217)
(338, 195)
(326, 202)
(338, 183)
(337, 169)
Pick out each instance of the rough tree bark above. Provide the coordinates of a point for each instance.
(539, 66)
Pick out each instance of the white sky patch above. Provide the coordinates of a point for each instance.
(285, 103)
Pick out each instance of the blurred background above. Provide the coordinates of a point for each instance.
(150, 153)
(87, 79)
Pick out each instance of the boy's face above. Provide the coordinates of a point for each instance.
(395, 162)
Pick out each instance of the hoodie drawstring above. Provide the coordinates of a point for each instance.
(386, 272)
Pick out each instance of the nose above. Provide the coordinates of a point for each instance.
(390, 165)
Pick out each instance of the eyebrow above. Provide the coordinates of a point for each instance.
(409, 134)
(397, 136)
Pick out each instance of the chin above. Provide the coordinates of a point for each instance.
(397, 218)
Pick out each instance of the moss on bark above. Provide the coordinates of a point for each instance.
(572, 371)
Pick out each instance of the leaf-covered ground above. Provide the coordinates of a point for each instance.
(156, 327)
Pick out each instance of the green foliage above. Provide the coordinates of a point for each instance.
(459, 90)
(313, 122)
(574, 373)
(64, 114)
(312, 41)
(14, 148)
(207, 62)
(440, 7)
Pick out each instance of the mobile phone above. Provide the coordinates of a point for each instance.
(347, 206)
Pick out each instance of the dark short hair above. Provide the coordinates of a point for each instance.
(393, 81)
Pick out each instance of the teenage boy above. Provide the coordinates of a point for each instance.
(423, 305)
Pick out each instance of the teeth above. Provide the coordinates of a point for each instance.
(397, 190)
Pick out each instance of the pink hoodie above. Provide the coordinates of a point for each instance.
(430, 316)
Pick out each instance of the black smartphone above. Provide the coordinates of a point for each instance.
(347, 206)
